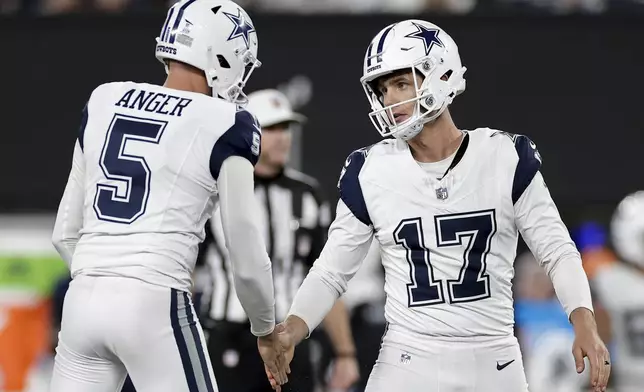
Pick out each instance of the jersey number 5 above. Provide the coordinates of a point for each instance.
(124, 196)
(474, 231)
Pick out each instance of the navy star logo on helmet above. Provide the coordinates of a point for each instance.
(243, 28)
(429, 37)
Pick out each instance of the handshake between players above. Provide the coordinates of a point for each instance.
(277, 350)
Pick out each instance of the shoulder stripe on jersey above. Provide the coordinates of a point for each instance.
(242, 139)
(81, 130)
(350, 189)
(527, 167)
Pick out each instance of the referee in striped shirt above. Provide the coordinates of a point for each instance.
(294, 217)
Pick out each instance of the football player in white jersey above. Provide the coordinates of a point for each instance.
(446, 206)
(148, 165)
(620, 289)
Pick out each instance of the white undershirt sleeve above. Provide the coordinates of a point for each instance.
(348, 243)
(251, 266)
(538, 220)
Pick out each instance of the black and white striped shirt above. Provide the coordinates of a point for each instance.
(294, 218)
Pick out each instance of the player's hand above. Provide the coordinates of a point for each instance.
(345, 373)
(273, 355)
(588, 344)
(287, 342)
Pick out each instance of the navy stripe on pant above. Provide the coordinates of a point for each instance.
(186, 335)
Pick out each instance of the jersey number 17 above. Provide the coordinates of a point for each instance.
(474, 230)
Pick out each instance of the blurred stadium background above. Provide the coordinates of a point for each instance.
(568, 73)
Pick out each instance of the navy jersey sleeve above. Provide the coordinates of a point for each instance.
(350, 189)
(81, 130)
(527, 167)
(242, 139)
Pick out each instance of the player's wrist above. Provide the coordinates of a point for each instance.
(583, 319)
(297, 327)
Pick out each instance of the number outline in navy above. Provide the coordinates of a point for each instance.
(420, 271)
(481, 277)
(111, 190)
(434, 287)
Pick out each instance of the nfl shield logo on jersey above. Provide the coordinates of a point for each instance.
(441, 193)
(405, 358)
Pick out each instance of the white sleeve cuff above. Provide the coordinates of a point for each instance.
(571, 285)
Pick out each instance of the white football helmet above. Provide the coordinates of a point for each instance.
(215, 36)
(425, 49)
(627, 229)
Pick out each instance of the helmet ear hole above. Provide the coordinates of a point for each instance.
(223, 63)
(447, 75)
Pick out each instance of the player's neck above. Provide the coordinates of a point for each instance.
(186, 78)
(437, 141)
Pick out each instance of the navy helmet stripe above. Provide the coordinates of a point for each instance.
(369, 58)
(381, 43)
(164, 30)
(178, 20)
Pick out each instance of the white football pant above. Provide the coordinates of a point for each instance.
(114, 326)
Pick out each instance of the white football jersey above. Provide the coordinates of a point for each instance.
(448, 246)
(620, 289)
(152, 156)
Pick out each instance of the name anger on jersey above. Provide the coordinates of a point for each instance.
(153, 102)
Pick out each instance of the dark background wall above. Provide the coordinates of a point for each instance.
(572, 84)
